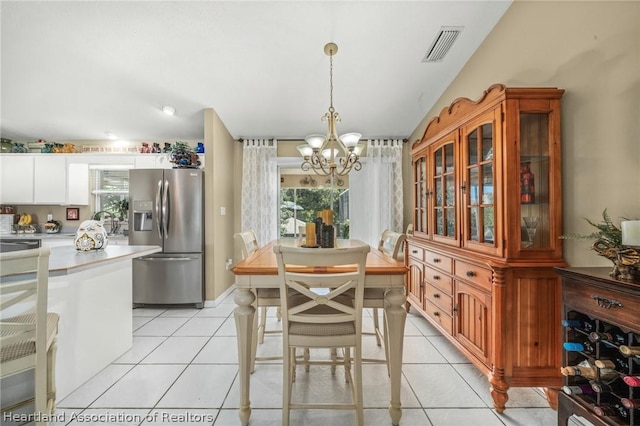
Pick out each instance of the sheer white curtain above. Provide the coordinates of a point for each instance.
(260, 189)
(375, 192)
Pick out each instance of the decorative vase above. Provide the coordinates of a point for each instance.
(19, 148)
(91, 235)
(527, 187)
(6, 145)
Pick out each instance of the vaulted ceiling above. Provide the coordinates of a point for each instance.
(79, 69)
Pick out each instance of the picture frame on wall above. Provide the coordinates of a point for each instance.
(73, 213)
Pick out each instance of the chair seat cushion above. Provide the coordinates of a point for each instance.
(25, 347)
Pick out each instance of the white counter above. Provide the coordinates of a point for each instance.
(92, 292)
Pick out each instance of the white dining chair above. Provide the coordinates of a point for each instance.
(28, 340)
(265, 298)
(322, 310)
(392, 244)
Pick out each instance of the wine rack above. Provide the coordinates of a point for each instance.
(601, 373)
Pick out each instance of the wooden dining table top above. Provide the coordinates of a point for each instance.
(264, 261)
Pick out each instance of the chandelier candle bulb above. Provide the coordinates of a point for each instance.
(630, 233)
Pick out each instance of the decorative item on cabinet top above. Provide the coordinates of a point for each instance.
(620, 245)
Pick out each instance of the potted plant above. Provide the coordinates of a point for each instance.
(608, 243)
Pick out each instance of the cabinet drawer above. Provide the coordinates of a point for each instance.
(438, 279)
(474, 274)
(439, 261)
(416, 252)
(439, 316)
(438, 298)
(593, 301)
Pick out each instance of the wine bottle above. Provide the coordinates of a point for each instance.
(588, 371)
(611, 410)
(585, 347)
(613, 335)
(580, 322)
(633, 381)
(630, 404)
(630, 351)
(578, 390)
(616, 387)
(613, 363)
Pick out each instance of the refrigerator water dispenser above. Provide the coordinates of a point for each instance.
(142, 216)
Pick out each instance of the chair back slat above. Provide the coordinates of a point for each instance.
(248, 243)
(23, 277)
(317, 297)
(392, 243)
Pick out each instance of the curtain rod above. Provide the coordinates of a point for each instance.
(404, 140)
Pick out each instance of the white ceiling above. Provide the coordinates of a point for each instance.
(77, 69)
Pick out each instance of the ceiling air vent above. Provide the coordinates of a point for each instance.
(442, 43)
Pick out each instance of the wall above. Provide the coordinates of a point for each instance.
(220, 186)
(592, 50)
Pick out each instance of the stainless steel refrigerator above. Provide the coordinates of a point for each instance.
(166, 208)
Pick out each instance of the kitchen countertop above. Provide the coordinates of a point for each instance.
(65, 260)
(61, 235)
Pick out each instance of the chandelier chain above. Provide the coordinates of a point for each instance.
(331, 82)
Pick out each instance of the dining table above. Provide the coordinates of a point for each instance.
(260, 270)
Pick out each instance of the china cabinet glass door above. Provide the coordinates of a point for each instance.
(420, 223)
(443, 205)
(478, 185)
(534, 181)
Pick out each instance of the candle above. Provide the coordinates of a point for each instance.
(311, 234)
(630, 232)
(328, 217)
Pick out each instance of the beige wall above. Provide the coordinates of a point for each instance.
(220, 188)
(592, 50)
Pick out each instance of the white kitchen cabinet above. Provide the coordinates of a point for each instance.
(50, 179)
(152, 161)
(17, 178)
(77, 183)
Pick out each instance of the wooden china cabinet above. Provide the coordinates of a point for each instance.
(487, 217)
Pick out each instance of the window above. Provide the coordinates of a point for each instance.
(301, 205)
(110, 190)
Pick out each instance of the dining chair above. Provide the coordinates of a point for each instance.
(265, 298)
(322, 308)
(392, 244)
(29, 340)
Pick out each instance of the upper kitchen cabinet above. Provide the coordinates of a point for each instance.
(17, 178)
(487, 218)
(50, 179)
(43, 179)
(29, 179)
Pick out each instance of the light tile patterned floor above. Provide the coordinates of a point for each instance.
(182, 371)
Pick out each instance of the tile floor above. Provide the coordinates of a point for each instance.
(182, 370)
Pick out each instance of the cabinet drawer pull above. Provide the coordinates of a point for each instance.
(436, 277)
(436, 260)
(414, 251)
(605, 303)
(471, 274)
(436, 296)
(436, 314)
(421, 284)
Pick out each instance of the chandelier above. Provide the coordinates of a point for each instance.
(331, 155)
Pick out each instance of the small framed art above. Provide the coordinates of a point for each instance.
(73, 213)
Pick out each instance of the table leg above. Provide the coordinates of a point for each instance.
(244, 315)
(395, 317)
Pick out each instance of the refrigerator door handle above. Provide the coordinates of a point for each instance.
(165, 210)
(171, 259)
(158, 199)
